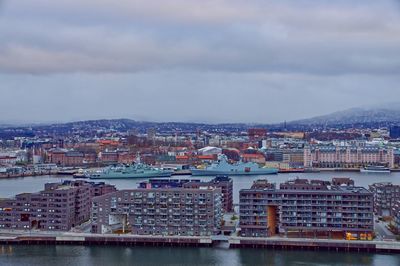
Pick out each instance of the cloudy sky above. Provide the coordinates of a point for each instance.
(190, 60)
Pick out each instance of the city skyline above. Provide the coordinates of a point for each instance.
(223, 132)
(214, 61)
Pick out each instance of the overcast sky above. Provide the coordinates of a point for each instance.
(190, 60)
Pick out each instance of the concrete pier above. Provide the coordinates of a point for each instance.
(114, 240)
(315, 244)
(48, 238)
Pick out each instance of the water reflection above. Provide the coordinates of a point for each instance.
(99, 255)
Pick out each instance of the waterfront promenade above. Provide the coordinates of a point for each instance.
(69, 238)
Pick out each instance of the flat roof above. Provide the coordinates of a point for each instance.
(332, 189)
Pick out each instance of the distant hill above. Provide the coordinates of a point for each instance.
(368, 115)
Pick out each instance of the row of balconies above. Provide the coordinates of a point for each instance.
(302, 202)
(310, 208)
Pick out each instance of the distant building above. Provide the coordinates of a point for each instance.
(109, 157)
(294, 157)
(210, 151)
(385, 197)
(347, 157)
(395, 132)
(255, 158)
(159, 211)
(8, 160)
(120, 156)
(274, 155)
(151, 133)
(64, 157)
(232, 154)
(257, 133)
(306, 208)
(59, 207)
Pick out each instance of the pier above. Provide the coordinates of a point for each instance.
(106, 240)
(315, 244)
(274, 243)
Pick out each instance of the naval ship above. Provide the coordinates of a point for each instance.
(136, 170)
(223, 167)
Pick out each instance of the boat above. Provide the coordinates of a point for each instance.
(291, 170)
(223, 167)
(66, 171)
(375, 169)
(135, 170)
(80, 174)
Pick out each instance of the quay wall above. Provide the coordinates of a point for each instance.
(316, 245)
(234, 242)
(107, 240)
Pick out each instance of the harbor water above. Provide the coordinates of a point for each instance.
(220, 255)
(11, 186)
(155, 256)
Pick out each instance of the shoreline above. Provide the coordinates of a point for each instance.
(27, 175)
(278, 243)
(186, 173)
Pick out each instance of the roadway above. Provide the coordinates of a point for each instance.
(382, 232)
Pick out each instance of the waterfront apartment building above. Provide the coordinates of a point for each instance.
(385, 196)
(159, 211)
(59, 207)
(396, 216)
(223, 182)
(306, 208)
(347, 157)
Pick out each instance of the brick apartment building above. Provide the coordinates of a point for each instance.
(159, 211)
(306, 208)
(385, 196)
(223, 182)
(63, 157)
(59, 207)
(396, 216)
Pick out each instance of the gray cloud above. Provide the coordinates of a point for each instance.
(211, 60)
(188, 96)
(207, 35)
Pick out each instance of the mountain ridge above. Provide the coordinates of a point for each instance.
(356, 115)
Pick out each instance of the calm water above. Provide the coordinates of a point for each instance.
(99, 256)
(77, 255)
(10, 187)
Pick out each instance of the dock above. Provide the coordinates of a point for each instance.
(273, 243)
(315, 244)
(107, 240)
